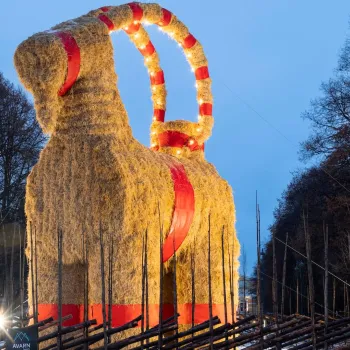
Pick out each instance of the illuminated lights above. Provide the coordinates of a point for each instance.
(135, 22)
(153, 132)
(192, 69)
(159, 102)
(153, 145)
(154, 88)
(189, 55)
(126, 28)
(199, 129)
(136, 35)
(146, 23)
(200, 101)
(154, 119)
(178, 151)
(2, 321)
(191, 142)
(147, 59)
(142, 47)
(171, 34)
(152, 74)
(196, 85)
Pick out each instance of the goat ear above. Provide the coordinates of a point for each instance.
(41, 64)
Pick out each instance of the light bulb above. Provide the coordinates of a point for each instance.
(196, 85)
(153, 88)
(146, 23)
(199, 129)
(200, 101)
(154, 119)
(189, 55)
(126, 28)
(153, 144)
(159, 102)
(191, 142)
(153, 132)
(171, 34)
(147, 59)
(152, 74)
(142, 47)
(192, 69)
(178, 151)
(135, 22)
(136, 35)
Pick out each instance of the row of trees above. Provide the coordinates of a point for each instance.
(322, 194)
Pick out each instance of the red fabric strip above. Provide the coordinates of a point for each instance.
(159, 114)
(148, 50)
(73, 61)
(166, 19)
(132, 28)
(122, 314)
(137, 11)
(178, 139)
(157, 78)
(183, 211)
(189, 41)
(106, 21)
(202, 73)
(104, 8)
(206, 109)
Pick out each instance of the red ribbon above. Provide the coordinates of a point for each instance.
(73, 61)
(148, 50)
(178, 139)
(159, 114)
(157, 78)
(206, 109)
(122, 314)
(202, 73)
(104, 8)
(183, 211)
(106, 21)
(189, 41)
(166, 19)
(137, 11)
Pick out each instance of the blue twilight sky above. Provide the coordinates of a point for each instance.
(264, 55)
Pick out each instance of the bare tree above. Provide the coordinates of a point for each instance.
(20, 142)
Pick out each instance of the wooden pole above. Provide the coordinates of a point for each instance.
(284, 279)
(60, 252)
(258, 292)
(223, 273)
(11, 268)
(20, 277)
(297, 296)
(209, 287)
(334, 286)
(193, 281)
(325, 230)
(36, 315)
(32, 267)
(274, 281)
(161, 280)
(310, 277)
(103, 289)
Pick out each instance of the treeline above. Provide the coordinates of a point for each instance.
(320, 195)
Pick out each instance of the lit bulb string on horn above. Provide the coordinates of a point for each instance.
(173, 134)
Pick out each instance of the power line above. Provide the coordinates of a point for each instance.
(315, 263)
(279, 131)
